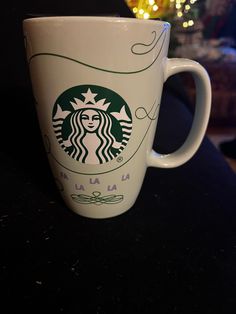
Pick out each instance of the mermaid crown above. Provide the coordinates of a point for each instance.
(90, 102)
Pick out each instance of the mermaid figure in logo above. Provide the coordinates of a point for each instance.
(87, 134)
(91, 137)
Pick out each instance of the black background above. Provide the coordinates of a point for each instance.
(173, 252)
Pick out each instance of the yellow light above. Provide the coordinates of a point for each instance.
(146, 16)
(135, 10)
(141, 11)
(151, 2)
(178, 6)
(187, 7)
(179, 14)
(185, 24)
(190, 23)
(155, 7)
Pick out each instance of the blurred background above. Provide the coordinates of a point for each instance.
(203, 30)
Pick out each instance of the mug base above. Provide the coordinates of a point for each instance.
(100, 211)
(99, 215)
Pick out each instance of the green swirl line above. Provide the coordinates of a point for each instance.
(97, 199)
(97, 68)
(146, 113)
(147, 45)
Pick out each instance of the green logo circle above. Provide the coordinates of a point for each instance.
(92, 124)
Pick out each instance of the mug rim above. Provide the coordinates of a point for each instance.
(112, 19)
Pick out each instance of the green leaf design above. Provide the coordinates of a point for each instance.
(97, 199)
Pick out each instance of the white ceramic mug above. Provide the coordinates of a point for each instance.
(97, 83)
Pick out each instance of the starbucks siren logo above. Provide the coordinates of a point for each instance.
(92, 124)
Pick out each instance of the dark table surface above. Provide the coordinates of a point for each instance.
(173, 252)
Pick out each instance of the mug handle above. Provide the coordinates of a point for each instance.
(201, 116)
